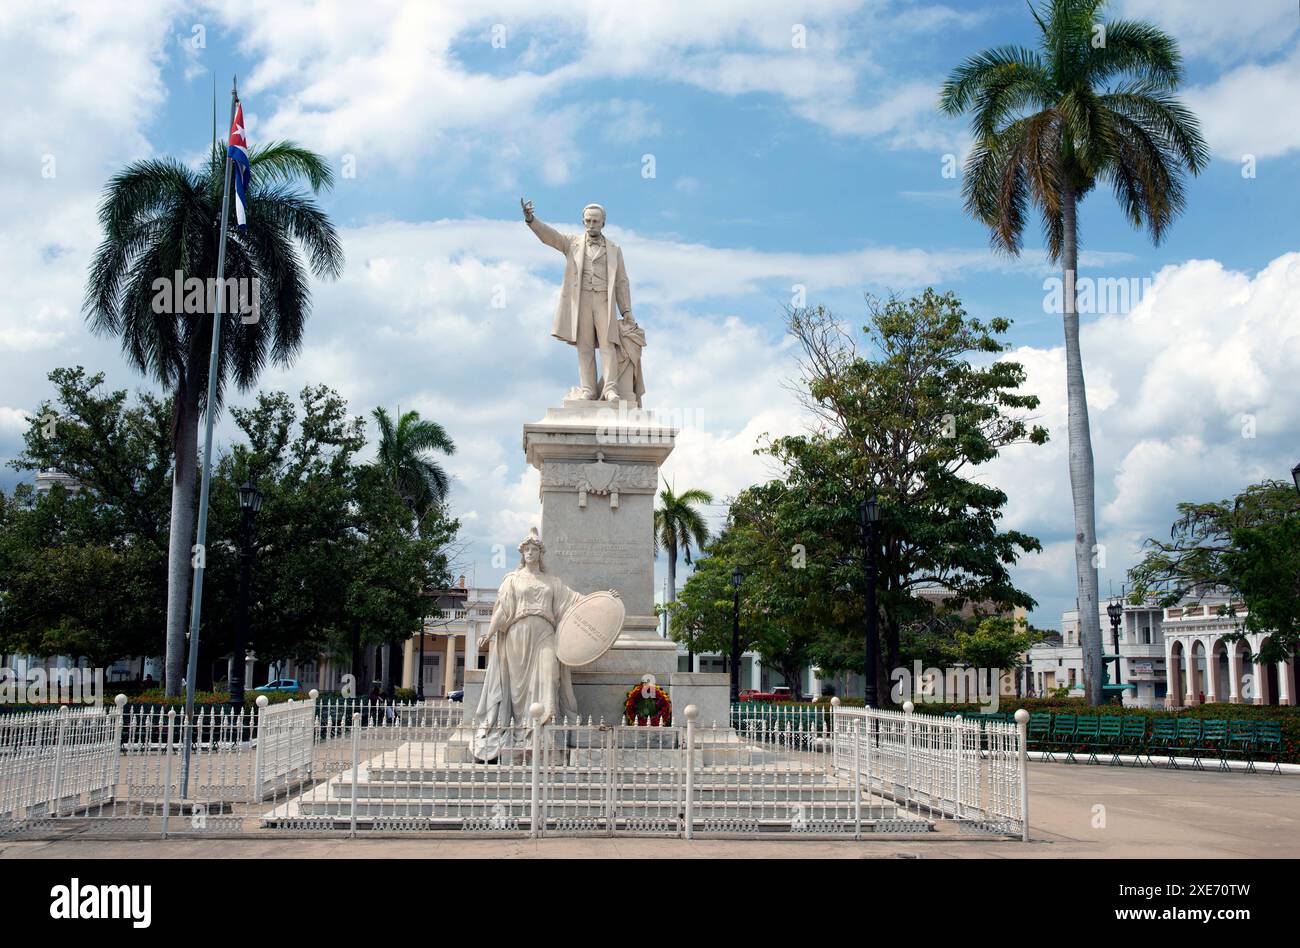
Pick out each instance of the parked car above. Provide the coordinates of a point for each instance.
(780, 693)
(281, 684)
(458, 695)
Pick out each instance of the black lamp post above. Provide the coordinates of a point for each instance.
(1116, 613)
(869, 519)
(250, 502)
(1295, 476)
(737, 577)
(419, 668)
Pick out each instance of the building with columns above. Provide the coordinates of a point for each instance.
(754, 675)
(449, 641)
(1167, 654)
(1203, 667)
(1141, 651)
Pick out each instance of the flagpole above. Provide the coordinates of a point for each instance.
(205, 483)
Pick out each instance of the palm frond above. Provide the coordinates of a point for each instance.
(1136, 49)
(1147, 189)
(284, 162)
(159, 217)
(1165, 119)
(984, 81)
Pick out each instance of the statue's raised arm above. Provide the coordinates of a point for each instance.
(545, 232)
(594, 294)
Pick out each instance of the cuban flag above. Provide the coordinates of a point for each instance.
(238, 152)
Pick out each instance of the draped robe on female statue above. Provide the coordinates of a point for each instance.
(522, 666)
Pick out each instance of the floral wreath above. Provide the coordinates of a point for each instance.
(643, 710)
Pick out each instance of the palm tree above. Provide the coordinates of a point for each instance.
(160, 216)
(677, 525)
(1095, 103)
(405, 461)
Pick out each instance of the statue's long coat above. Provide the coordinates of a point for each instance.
(619, 293)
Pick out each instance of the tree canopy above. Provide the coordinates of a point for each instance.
(84, 570)
(906, 417)
(1247, 547)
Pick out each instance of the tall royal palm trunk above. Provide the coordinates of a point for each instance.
(1081, 467)
(180, 539)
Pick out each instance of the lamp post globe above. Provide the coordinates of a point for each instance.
(250, 498)
(1116, 613)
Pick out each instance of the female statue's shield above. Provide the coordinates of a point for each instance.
(588, 629)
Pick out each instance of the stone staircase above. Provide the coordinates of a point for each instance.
(739, 786)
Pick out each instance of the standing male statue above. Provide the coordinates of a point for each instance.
(595, 282)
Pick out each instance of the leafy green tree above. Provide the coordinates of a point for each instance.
(994, 642)
(82, 569)
(1248, 547)
(907, 419)
(304, 540)
(161, 217)
(394, 565)
(979, 640)
(340, 562)
(772, 595)
(1094, 104)
(678, 524)
(406, 462)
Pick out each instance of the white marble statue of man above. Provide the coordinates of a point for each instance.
(522, 666)
(595, 285)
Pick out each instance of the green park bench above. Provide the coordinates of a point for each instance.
(1064, 727)
(1087, 736)
(1189, 739)
(1268, 740)
(1214, 740)
(1110, 735)
(1164, 734)
(1040, 733)
(1133, 734)
(1220, 739)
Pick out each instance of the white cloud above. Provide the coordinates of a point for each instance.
(79, 84)
(1250, 110)
(1192, 395)
(13, 421)
(419, 78)
(1254, 45)
(1253, 29)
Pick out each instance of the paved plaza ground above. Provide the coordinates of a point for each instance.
(1148, 813)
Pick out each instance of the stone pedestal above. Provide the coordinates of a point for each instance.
(708, 691)
(599, 464)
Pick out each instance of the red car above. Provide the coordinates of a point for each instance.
(776, 694)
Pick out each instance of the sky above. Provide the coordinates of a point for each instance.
(742, 150)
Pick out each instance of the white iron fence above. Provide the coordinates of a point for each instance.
(968, 771)
(55, 762)
(350, 766)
